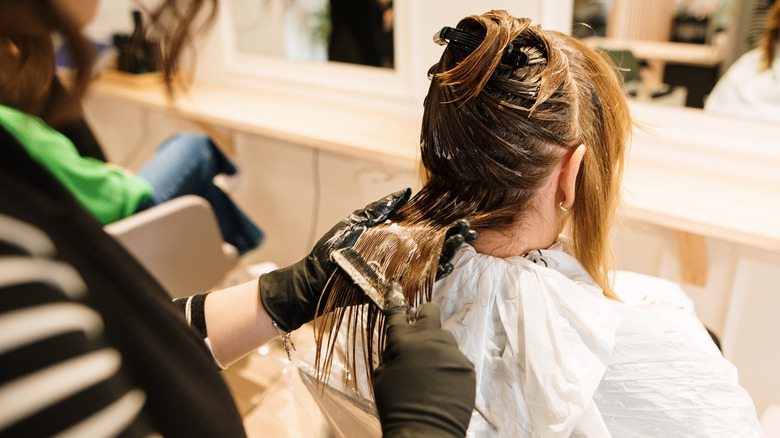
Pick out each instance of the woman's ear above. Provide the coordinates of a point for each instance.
(568, 179)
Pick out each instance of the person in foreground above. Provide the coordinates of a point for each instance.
(524, 134)
(37, 110)
(93, 346)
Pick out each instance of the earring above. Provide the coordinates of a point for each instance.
(560, 205)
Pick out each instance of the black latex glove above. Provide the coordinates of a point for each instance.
(458, 233)
(290, 295)
(424, 387)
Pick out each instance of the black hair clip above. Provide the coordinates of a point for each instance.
(468, 42)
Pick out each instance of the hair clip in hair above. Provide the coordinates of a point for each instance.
(468, 42)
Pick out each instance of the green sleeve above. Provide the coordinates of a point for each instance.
(108, 192)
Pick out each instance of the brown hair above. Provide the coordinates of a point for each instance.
(26, 81)
(768, 42)
(491, 137)
(174, 23)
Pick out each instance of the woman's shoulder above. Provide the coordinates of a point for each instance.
(547, 277)
(551, 263)
(32, 133)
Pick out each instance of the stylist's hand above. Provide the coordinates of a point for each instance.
(457, 233)
(424, 386)
(290, 295)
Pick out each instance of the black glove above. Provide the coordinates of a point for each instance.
(424, 387)
(290, 295)
(458, 233)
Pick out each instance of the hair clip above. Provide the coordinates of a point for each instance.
(468, 42)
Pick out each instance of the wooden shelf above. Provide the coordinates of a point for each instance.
(677, 53)
(689, 171)
(360, 132)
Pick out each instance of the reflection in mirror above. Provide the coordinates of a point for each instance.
(749, 88)
(668, 51)
(351, 31)
(671, 51)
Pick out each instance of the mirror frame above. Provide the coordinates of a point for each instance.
(400, 90)
(326, 77)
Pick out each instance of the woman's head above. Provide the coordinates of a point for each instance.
(493, 135)
(27, 54)
(493, 138)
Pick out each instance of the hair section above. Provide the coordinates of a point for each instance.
(174, 24)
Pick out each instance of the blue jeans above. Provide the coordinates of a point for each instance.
(186, 164)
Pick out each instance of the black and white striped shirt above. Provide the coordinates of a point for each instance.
(59, 375)
(134, 370)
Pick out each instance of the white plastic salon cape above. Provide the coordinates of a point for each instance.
(555, 358)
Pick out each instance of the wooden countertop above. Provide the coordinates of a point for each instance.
(360, 132)
(690, 171)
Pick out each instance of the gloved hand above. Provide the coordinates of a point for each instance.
(424, 387)
(458, 233)
(290, 295)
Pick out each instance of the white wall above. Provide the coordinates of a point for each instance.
(113, 16)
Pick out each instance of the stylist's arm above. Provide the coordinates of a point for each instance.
(424, 387)
(240, 319)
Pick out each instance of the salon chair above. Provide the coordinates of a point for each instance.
(179, 243)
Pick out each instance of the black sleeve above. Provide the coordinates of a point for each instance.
(60, 375)
(193, 310)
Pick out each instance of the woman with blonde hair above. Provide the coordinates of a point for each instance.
(524, 134)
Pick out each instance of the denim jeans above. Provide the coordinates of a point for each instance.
(186, 164)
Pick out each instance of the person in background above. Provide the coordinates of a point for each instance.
(32, 109)
(750, 88)
(92, 346)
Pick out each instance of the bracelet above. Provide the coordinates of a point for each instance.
(286, 340)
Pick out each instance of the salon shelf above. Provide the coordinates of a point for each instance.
(365, 133)
(677, 53)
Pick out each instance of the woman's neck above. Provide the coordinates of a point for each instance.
(517, 241)
(538, 228)
(501, 244)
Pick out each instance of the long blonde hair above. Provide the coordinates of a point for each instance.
(491, 137)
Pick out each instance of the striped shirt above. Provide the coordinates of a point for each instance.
(59, 374)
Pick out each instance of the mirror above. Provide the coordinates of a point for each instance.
(349, 31)
(669, 51)
(671, 46)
